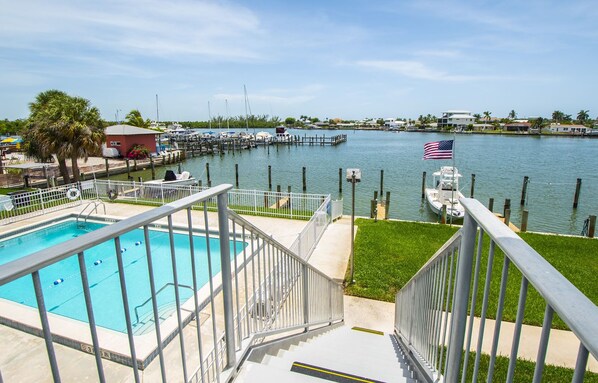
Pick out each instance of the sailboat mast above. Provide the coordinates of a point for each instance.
(157, 111)
(227, 117)
(209, 117)
(246, 118)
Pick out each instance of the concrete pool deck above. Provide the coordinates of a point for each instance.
(23, 356)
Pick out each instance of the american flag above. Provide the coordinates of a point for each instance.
(438, 150)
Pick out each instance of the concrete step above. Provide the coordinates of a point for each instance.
(344, 350)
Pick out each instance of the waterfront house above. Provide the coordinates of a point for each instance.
(482, 127)
(124, 137)
(569, 129)
(456, 119)
(519, 127)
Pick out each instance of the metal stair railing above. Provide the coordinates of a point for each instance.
(253, 267)
(435, 310)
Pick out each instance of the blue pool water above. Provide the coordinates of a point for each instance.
(66, 298)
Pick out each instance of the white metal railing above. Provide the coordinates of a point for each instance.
(24, 205)
(309, 237)
(438, 305)
(264, 290)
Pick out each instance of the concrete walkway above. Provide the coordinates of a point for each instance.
(331, 256)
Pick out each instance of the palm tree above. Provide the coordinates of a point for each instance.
(67, 127)
(558, 116)
(83, 130)
(512, 114)
(487, 116)
(538, 123)
(583, 116)
(134, 119)
(42, 140)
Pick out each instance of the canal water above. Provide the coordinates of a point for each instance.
(499, 162)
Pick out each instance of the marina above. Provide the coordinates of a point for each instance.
(499, 163)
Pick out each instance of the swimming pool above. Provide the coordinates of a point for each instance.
(61, 282)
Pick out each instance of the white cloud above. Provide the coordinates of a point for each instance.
(277, 95)
(414, 69)
(146, 27)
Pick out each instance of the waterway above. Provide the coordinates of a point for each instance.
(499, 163)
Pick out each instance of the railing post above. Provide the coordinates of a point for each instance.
(305, 296)
(462, 288)
(227, 288)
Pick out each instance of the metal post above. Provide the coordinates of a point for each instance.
(352, 227)
(462, 288)
(227, 288)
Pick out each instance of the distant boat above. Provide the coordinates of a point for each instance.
(263, 137)
(446, 193)
(282, 135)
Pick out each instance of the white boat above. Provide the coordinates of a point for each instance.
(446, 193)
(263, 137)
(171, 178)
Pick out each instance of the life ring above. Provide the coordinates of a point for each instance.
(73, 194)
(112, 194)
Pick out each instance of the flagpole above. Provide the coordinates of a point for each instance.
(453, 184)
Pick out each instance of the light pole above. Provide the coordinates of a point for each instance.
(353, 176)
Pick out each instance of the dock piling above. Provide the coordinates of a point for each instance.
(340, 180)
(107, 168)
(443, 215)
(237, 175)
(381, 182)
(524, 190)
(491, 204)
(304, 181)
(592, 227)
(277, 196)
(507, 216)
(208, 174)
(387, 206)
(423, 185)
(506, 207)
(270, 177)
(524, 217)
(472, 185)
(577, 190)
(153, 169)
(128, 168)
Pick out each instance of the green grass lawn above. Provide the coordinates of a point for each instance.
(389, 253)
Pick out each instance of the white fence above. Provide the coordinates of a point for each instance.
(23, 205)
(312, 232)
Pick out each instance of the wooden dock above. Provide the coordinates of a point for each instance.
(197, 146)
(511, 226)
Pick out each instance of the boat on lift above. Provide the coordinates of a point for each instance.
(446, 193)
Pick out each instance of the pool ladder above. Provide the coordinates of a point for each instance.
(95, 204)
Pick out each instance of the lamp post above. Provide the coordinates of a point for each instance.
(353, 176)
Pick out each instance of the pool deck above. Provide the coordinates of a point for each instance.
(23, 357)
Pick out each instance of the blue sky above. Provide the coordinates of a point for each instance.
(349, 59)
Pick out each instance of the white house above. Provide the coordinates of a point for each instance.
(392, 123)
(569, 129)
(456, 119)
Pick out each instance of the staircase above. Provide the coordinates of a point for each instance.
(342, 354)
